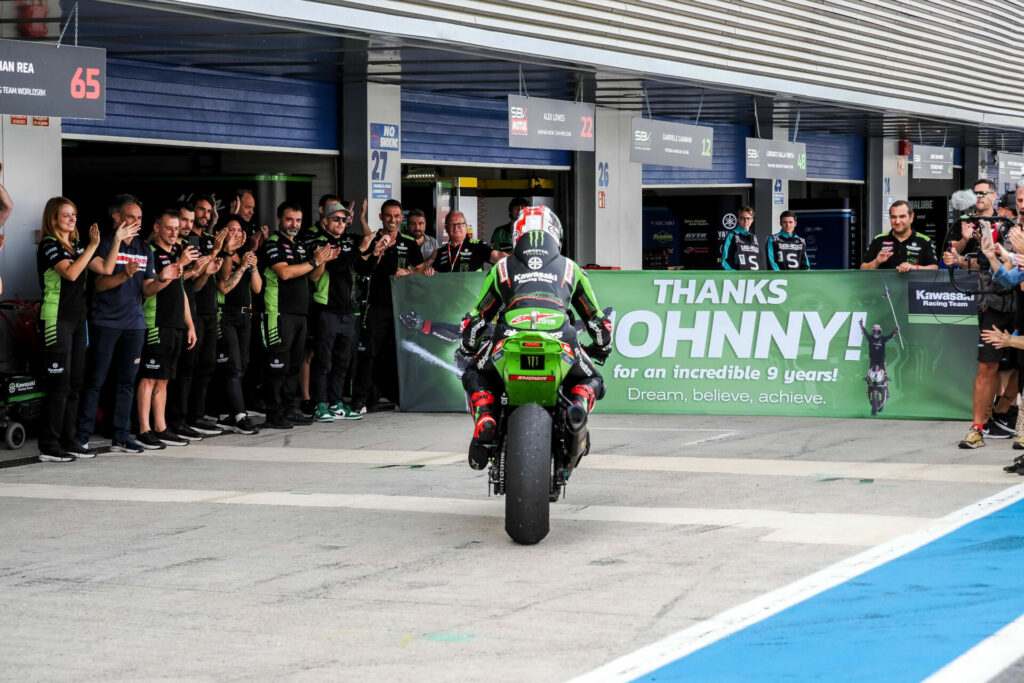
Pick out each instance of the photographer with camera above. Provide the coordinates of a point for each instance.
(979, 231)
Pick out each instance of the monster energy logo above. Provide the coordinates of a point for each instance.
(535, 238)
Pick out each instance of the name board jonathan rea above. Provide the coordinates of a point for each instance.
(538, 123)
(46, 80)
(671, 144)
(776, 159)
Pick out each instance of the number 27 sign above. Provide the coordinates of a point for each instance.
(46, 80)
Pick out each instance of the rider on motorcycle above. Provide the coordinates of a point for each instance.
(536, 275)
(876, 345)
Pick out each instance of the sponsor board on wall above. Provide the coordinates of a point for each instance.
(787, 344)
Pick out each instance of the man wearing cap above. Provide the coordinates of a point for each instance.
(332, 316)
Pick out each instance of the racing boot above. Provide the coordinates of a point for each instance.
(484, 429)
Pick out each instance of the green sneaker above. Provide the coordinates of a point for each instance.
(343, 412)
(323, 413)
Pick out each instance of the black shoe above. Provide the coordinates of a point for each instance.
(169, 438)
(994, 430)
(278, 421)
(479, 453)
(79, 450)
(244, 426)
(298, 417)
(55, 454)
(1007, 420)
(1016, 466)
(147, 440)
(307, 407)
(204, 426)
(187, 433)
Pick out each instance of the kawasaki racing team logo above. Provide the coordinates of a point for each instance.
(535, 263)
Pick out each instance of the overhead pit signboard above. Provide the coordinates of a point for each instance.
(46, 80)
(538, 123)
(671, 144)
(932, 163)
(1011, 169)
(776, 159)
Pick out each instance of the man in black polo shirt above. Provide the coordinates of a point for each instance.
(459, 254)
(389, 255)
(284, 265)
(900, 248)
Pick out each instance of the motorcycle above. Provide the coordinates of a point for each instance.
(878, 388)
(539, 440)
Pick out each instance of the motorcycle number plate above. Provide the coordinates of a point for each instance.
(532, 361)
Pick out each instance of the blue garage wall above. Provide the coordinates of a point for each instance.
(834, 157)
(728, 165)
(464, 129)
(202, 105)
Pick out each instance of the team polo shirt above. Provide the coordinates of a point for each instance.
(167, 307)
(334, 290)
(404, 253)
(469, 256)
(204, 302)
(63, 299)
(915, 250)
(283, 296)
(122, 306)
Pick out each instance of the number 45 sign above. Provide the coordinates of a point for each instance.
(45, 80)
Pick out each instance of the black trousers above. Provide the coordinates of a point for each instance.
(62, 374)
(233, 358)
(335, 337)
(284, 335)
(377, 360)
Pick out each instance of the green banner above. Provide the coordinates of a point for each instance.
(732, 343)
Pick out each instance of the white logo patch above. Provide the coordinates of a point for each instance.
(535, 263)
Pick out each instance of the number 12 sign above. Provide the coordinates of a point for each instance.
(46, 80)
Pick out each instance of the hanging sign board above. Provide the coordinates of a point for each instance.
(46, 80)
(776, 159)
(671, 144)
(1011, 169)
(538, 123)
(932, 163)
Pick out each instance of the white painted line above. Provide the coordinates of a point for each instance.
(781, 526)
(658, 429)
(987, 659)
(700, 635)
(820, 469)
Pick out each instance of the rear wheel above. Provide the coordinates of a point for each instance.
(528, 474)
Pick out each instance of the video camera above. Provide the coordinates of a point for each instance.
(961, 202)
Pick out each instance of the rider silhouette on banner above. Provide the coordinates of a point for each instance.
(878, 376)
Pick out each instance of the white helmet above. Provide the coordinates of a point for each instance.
(537, 218)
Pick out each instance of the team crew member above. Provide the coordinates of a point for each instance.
(333, 317)
(237, 281)
(117, 327)
(389, 254)
(786, 250)
(740, 250)
(204, 315)
(285, 265)
(900, 248)
(460, 254)
(179, 388)
(61, 262)
(501, 238)
(169, 328)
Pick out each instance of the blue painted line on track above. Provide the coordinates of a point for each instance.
(902, 621)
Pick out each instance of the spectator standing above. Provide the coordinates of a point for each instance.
(460, 254)
(416, 222)
(388, 256)
(117, 326)
(333, 317)
(62, 262)
(284, 265)
(901, 248)
(237, 281)
(785, 250)
(501, 238)
(740, 250)
(169, 329)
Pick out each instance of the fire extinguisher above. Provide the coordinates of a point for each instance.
(29, 14)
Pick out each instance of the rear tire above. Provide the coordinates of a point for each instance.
(528, 474)
(15, 435)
